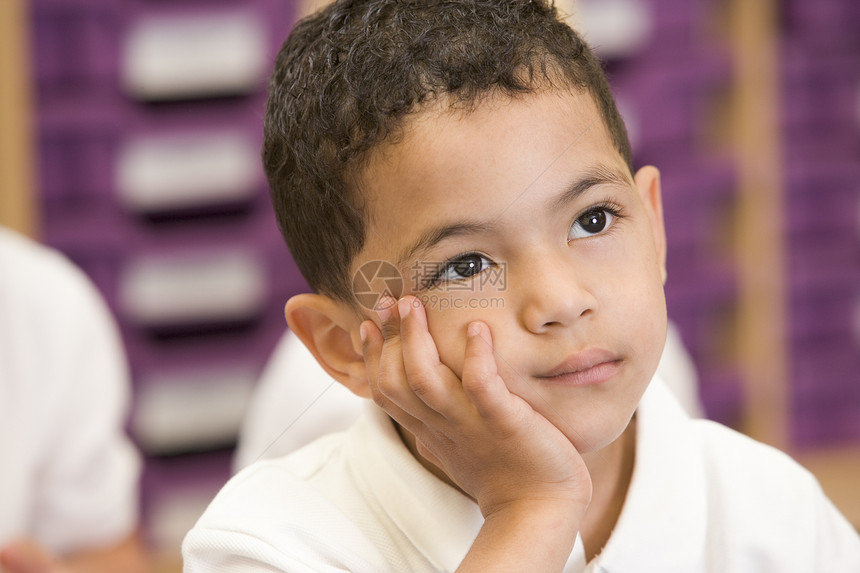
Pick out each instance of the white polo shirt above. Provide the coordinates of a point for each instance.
(702, 498)
(68, 474)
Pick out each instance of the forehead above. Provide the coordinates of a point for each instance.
(449, 162)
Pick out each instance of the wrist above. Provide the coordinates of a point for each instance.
(526, 535)
(550, 503)
(543, 513)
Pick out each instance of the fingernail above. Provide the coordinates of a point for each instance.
(384, 306)
(362, 332)
(403, 307)
(474, 329)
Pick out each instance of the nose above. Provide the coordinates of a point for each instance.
(552, 294)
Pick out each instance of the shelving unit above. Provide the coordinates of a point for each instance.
(148, 124)
(819, 84)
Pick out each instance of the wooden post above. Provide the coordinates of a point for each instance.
(760, 250)
(17, 173)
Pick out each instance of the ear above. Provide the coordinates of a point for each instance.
(647, 181)
(330, 331)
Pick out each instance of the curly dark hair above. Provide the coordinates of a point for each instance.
(347, 78)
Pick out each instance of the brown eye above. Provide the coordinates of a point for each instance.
(462, 268)
(467, 266)
(591, 223)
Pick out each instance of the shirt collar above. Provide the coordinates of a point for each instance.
(662, 525)
(440, 521)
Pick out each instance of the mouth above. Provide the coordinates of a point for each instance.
(587, 368)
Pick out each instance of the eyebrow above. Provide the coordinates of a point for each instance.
(599, 175)
(436, 235)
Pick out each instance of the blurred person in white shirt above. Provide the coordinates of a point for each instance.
(69, 484)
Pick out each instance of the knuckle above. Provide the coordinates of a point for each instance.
(477, 380)
(379, 399)
(377, 396)
(390, 330)
(421, 384)
(386, 386)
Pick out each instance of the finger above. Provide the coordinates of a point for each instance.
(371, 350)
(390, 387)
(481, 380)
(374, 352)
(26, 557)
(386, 310)
(425, 452)
(431, 381)
(372, 345)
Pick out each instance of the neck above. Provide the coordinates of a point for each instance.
(610, 468)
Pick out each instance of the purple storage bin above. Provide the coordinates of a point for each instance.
(835, 424)
(185, 481)
(722, 395)
(822, 142)
(206, 346)
(77, 144)
(677, 26)
(826, 363)
(698, 207)
(826, 403)
(705, 317)
(823, 23)
(822, 198)
(671, 101)
(826, 313)
(819, 91)
(75, 45)
(823, 262)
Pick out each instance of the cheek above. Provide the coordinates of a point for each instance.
(640, 312)
(449, 316)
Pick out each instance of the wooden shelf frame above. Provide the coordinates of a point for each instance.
(762, 348)
(17, 137)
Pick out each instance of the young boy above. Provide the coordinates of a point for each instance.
(469, 153)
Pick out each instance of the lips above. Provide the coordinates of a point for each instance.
(591, 366)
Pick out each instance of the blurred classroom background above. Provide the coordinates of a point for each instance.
(129, 140)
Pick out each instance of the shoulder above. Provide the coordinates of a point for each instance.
(47, 298)
(762, 496)
(747, 483)
(57, 333)
(270, 487)
(737, 503)
(281, 514)
(32, 269)
(731, 455)
(753, 482)
(726, 458)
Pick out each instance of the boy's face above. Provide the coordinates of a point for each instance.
(527, 219)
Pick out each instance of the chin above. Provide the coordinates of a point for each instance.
(597, 434)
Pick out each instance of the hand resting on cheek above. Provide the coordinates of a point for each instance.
(491, 443)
